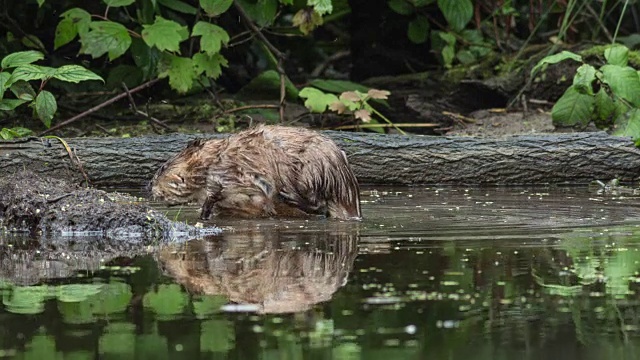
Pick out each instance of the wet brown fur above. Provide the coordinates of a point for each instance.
(264, 171)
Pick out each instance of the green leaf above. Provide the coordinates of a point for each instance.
(75, 74)
(4, 78)
(556, 58)
(402, 7)
(40, 3)
(10, 104)
(457, 12)
(446, 42)
(418, 29)
(180, 70)
(74, 21)
(321, 6)
(128, 74)
(573, 108)
(623, 81)
(105, 37)
(118, 3)
(21, 58)
(23, 90)
(215, 7)
(179, 6)
(585, 76)
(338, 86)
(466, 57)
(165, 34)
(628, 124)
(14, 133)
(263, 12)
(31, 72)
(210, 65)
(81, 18)
(145, 57)
(617, 55)
(605, 106)
(316, 100)
(213, 36)
(32, 41)
(46, 107)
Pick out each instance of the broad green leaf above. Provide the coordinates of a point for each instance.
(445, 42)
(605, 107)
(215, 7)
(628, 124)
(556, 58)
(402, 7)
(165, 34)
(418, 29)
(179, 6)
(105, 37)
(74, 21)
(32, 41)
(4, 77)
(21, 58)
(623, 81)
(20, 131)
(81, 18)
(31, 72)
(466, 57)
(316, 100)
(10, 104)
(457, 12)
(8, 134)
(145, 57)
(213, 36)
(23, 90)
(46, 107)
(585, 76)
(617, 55)
(210, 65)
(321, 6)
(118, 3)
(573, 109)
(75, 74)
(127, 74)
(180, 70)
(263, 12)
(40, 3)
(338, 86)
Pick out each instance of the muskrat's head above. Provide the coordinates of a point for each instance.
(182, 178)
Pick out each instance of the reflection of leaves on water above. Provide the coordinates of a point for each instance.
(168, 300)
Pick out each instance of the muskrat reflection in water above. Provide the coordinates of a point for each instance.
(262, 172)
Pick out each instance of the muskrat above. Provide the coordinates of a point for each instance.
(262, 172)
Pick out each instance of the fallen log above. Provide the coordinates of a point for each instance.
(575, 158)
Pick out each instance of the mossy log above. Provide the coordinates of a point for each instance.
(575, 158)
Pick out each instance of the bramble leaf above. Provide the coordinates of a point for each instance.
(46, 107)
(317, 101)
(215, 7)
(74, 21)
(210, 65)
(165, 34)
(75, 74)
(105, 37)
(21, 58)
(213, 36)
(180, 70)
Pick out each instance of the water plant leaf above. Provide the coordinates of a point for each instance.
(402, 7)
(165, 34)
(213, 36)
(458, 13)
(418, 29)
(624, 82)
(556, 58)
(105, 37)
(179, 6)
(75, 74)
(573, 108)
(180, 70)
(46, 107)
(21, 58)
(215, 7)
(74, 21)
(118, 3)
(210, 65)
(316, 100)
(617, 55)
(321, 6)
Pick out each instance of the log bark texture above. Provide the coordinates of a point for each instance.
(376, 159)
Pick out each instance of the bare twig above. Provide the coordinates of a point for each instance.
(274, 51)
(249, 107)
(323, 66)
(98, 107)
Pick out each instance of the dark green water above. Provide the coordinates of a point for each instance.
(428, 274)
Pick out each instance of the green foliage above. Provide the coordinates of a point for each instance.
(615, 104)
(105, 37)
(164, 34)
(14, 133)
(24, 71)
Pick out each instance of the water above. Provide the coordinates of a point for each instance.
(430, 273)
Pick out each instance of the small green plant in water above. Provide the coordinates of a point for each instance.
(615, 104)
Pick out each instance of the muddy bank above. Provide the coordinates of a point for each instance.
(45, 206)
